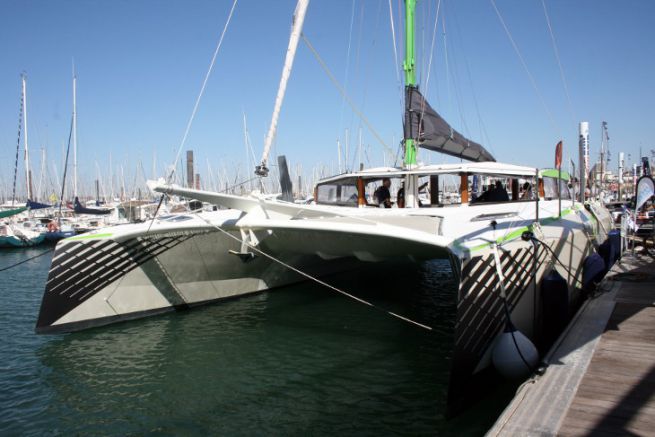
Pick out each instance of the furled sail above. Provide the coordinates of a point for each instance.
(10, 212)
(36, 205)
(79, 209)
(432, 132)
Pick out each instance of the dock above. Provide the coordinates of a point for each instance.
(600, 378)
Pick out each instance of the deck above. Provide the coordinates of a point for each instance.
(601, 377)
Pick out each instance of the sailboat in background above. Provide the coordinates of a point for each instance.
(19, 231)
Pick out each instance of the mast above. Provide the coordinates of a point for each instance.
(602, 155)
(583, 148)
(111, 179)
(339, 154)
(409, 64)
(74, 134)
(410, 73)
(28, 174)
(39, 190)
(296, 30)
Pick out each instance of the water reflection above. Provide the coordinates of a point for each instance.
(296, 360)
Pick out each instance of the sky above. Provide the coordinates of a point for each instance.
(140, 65)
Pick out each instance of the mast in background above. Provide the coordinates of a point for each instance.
(583, 147)
(28, 173)
(75, 194)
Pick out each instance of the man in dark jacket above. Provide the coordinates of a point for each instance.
(382, 194)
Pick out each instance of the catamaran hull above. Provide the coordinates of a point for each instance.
(98, 281)
(481, 314)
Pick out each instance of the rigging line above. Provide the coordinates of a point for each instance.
(350, 38)
(454, 84)
(396, 61)
(434, 34)
(312, 278)
(366, 83)
(483, 128)
(169, 178)
(427, 80)
(559, 62)
(343, 93)
(63, 183)
(357, 59)
(246, 135)
(26, 260)
(238, 185)
(202, 90)
(445, 53)
(527, 70)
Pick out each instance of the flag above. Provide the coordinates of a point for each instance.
(558, 155)
(645, 190)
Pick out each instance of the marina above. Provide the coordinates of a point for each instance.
(599, 378)
(427, 281)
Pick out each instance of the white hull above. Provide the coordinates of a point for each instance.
(125, 272)
(100, 278)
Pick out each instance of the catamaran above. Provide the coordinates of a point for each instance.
(501, 241)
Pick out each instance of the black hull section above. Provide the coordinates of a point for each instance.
(80, 269)
(481, 312)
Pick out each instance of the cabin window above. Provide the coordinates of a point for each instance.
(327, 194)
(489, 189)
(337, 194)
(564, 186)
(348, 194)
(550, 188)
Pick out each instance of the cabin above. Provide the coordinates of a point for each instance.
(445, 185)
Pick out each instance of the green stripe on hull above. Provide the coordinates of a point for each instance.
(89, 237)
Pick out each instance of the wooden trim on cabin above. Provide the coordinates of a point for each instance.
(361, 193)
(464, 187)
(542, 192)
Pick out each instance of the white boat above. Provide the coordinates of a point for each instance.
(20, 234)
(500, 248)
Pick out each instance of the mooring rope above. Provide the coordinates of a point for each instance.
(313, 278)
(26, 260)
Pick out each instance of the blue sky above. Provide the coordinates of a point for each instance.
(140, 65)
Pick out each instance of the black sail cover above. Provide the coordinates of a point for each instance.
(432, 132)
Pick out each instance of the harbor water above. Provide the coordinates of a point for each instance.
(293, 361)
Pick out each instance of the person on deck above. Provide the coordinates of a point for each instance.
(527, 192)
(400, 197)
(496, 193)
(382, 194)
(499, 193)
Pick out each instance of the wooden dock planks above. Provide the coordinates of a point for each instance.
(617, 394)
(601, 381)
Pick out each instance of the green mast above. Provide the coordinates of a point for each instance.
(410, 72)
